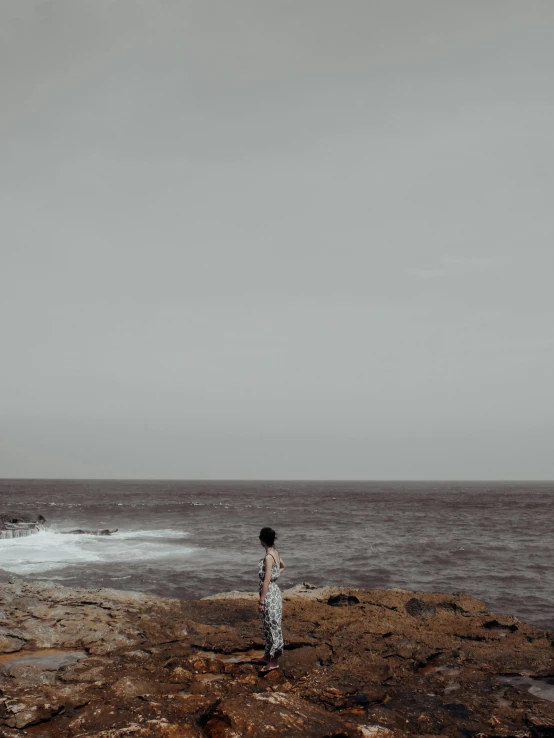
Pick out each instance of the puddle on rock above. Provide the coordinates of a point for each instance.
(50, 659)
(543, 688)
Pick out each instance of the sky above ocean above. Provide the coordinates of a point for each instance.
(276, 240)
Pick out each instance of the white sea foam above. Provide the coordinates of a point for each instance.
(166, 533)
(51, 550)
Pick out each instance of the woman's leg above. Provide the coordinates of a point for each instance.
(267, 637)
(272, 626)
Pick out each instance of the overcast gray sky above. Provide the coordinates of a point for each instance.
(277, 239)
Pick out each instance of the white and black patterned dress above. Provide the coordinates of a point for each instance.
(273, 611)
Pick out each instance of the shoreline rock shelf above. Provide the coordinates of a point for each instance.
(357, 664)
(15, 525)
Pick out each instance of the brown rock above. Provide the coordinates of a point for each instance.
(543, 725)
(132, 687)
(152, 729)
(24, 713)
(419, 608)
(343, 600)
(83, 674)
(300, 661)
(204, 666)
(10, 644)
(28, 675)
(410, 663)
(189, 704)
(178, 675)
(266, 715)
(375, 731)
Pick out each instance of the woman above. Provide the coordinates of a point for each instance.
(270, 603)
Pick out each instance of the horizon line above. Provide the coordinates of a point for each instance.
(279, 480)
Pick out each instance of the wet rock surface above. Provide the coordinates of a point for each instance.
(104, 664)
(81, 532)
(18, 525)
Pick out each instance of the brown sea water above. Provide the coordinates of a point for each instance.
(192, 539)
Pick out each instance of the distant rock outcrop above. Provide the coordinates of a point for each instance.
(16, 525)
(81, 532)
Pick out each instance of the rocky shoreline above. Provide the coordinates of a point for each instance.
(16, 525)
(357, 664)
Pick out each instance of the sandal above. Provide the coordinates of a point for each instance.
(267, 669)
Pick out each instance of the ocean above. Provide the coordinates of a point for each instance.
(193, 539)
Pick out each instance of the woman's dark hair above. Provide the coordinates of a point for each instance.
(268, 536)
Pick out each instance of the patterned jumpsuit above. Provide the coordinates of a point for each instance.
(273, 611)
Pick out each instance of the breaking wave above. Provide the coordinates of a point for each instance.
(50, 550)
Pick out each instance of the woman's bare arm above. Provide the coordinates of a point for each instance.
(281, 563)
(267, 578)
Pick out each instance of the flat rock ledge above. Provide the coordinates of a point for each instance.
(357, 664)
